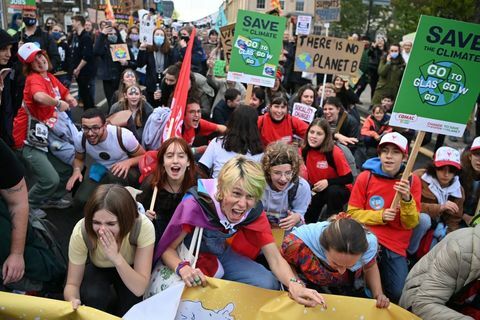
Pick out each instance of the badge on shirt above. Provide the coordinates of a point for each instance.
(322, 164)
(376, 202)
(41, 130)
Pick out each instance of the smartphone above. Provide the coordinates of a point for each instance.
(109, 23)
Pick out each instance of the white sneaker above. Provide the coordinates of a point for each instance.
(38, 213)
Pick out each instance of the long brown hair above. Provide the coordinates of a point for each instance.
(115, 199)
(165, 48)
(124, 104)
(328, 142)
(160, 175)
(344, 235)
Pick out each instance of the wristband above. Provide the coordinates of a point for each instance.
(180, 266)
(194, 151)
(58, 103)
(77, 168)
(293, 279)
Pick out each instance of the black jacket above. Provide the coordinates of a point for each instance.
(82, 49)
(107, 69)
(222, 112)
(148, 59)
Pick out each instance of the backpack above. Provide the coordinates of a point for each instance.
(348, 155)
(119, 139)
(133, 238)
(293, 192)
(153, 130)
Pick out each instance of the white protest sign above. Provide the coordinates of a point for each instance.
(147, 25)
(303, 25)
(304, 112)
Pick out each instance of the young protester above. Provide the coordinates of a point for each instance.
(44, 97)
(444, 284)
(287, 195)
(241, 138)
(370, 203)
(258, 100)
(224, 208)
(127, 78)
(333, 254)
(157, 58)
(328, 172)
(277, 124)
(306, 95)
(223, 110)
(134, 102)
(118, 242)
(115, 153)
(374, 127)
(277, 88)
(347, 96)
(442, 198)
(349, 130)
(174, 175)
(199, 57)
(64, 72)
(470, 179)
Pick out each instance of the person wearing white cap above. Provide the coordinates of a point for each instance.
(370, 203)
(442, 199)
(44, 97)
(470, 179)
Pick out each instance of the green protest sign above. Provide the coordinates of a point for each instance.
(441, 81)
(256, 48)
(219, 68)
(22, 4)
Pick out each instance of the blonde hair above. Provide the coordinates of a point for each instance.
(244, 172)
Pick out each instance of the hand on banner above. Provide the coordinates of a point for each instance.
(151, 214)
(109, 245)
(120, 169)
(307, 297)
(321, 185)
(192, 277)
(382, 301)
(290, 221)
(76, 303)
(403, 187)
(389, 214)
(449, 206)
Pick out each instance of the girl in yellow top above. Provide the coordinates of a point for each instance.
(115, 258)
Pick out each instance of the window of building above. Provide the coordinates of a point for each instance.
(299, 5)
(260, 4)
(282, 4)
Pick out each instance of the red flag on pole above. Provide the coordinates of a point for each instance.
(179, 100)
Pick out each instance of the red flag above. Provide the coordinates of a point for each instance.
(179, 100)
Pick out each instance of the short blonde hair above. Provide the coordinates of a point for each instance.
(244, 172)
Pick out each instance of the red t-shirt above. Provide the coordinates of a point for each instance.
(205, 128)
(319, 169)
(373, 192)
(284, 130)
(33, 84)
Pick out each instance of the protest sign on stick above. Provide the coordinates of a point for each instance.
(256, 48)
(328, 55)
(440, 84)
(226, 39)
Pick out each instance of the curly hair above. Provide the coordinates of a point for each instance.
(279, 153)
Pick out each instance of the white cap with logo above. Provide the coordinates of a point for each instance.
(397, 139)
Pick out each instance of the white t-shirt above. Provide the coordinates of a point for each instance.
(109, 151)
(216, 156)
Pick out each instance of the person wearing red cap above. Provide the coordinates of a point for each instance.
(442, 200)
(44, 97)
(370, 204)
(470, 179)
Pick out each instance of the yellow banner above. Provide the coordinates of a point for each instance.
(16, 306)
(231, 300)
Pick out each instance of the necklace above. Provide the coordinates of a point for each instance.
(171, 188)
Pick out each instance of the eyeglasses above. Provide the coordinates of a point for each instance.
(278, 174)
(94, 129)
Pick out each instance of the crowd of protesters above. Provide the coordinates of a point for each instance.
(240, 169)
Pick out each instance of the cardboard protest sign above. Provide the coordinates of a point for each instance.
(219, 68)
(319, 54)
(23, 4)
(304, 112)
(147, 25)
(119, 52)
(440, 83)
(256, 48)
(303, 25)
(327, 10)
(226, 38)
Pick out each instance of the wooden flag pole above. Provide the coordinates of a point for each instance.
(409, 166)
(248, 95)
(154, 198)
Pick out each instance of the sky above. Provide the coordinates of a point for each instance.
(196, 9)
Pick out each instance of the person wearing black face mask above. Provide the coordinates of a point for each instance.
(108, 70)
(199, 57)
(63, 73)
(32, 33)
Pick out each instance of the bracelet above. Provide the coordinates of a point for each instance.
(59, 103)
(181, 265)
(194, 151)
(293, 279)
(77, 168)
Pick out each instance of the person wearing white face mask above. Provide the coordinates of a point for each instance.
(390, 72)
(157, 58)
